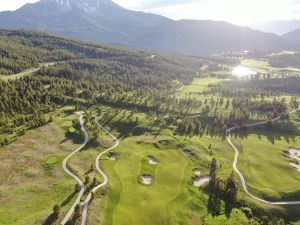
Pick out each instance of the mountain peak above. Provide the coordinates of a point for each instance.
(85, 5)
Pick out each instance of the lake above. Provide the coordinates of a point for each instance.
(242, 71)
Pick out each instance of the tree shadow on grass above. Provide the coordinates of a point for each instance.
(73, 221)
(282, 131)
(68, 199)
(214, 205)
(69, 112)
(50, 220)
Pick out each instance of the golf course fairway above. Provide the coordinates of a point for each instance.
(137, 203)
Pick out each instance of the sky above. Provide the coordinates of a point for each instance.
(241, 12)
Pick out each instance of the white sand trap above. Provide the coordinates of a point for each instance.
(153, 160)
(295, 154)
(187, 152)
(151, 57)
(197, 172)
(201, 180)
(113, 157)
(80, 113)
(163, 142)
(147, 179)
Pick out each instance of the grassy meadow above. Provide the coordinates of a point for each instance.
(32, 180)
(264, 67)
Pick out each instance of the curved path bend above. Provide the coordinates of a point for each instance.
(85, 204)
(236, 156)
(66, 169)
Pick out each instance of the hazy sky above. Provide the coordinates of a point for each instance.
(236, 11)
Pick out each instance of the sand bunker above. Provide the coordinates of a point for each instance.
(113, 156)
(153, 160)
(295, 154)
(80, 113)
(201, 180)
(147, 179)
(151, 57)
(164, 142)
(187, 152)
(197, 172)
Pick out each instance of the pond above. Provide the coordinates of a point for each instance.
(242, 71)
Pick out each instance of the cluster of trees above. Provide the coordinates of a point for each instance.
(227, 190)
(23, 105)
(284, 60)
(237, 111)
(219, 189)
(257, 87)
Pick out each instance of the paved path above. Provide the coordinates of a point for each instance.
(88, 199)
(65, 167)
(236, 156)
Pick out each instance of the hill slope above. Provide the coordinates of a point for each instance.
(202, 36)
(105, 21)
(293, 37)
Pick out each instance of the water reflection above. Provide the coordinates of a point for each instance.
(242, 71)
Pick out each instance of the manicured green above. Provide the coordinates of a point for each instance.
(265, 168)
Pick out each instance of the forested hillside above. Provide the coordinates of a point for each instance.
(84, 74)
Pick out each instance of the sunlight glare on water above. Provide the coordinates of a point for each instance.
(242, 71)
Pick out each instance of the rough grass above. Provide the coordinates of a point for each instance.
(197, 86)
(32, 179)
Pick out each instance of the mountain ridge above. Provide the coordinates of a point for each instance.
(105, 21)
(293, 37)
(279, 27)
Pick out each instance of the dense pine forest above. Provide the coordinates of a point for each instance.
(87, 74)
(84, 74)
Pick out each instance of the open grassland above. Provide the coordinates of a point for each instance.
(197, 87)
(282, 53)
(265, 68)
(31, 177)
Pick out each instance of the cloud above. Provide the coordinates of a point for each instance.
(294, 2)
(152, 4)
